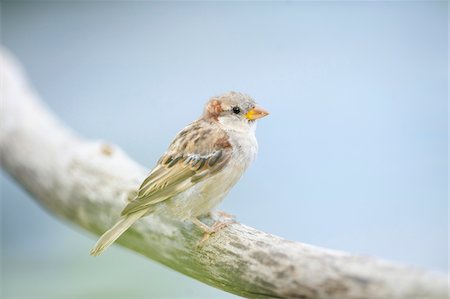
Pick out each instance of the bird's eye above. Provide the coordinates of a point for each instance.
(236, 110)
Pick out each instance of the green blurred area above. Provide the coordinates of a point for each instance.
(117, 275)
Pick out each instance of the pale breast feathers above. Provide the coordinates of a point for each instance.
(197, 152)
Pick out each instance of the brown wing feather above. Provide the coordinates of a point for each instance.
(199, 150)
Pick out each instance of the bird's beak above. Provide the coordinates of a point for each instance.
(256, 112)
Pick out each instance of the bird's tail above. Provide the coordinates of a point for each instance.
(116, 231)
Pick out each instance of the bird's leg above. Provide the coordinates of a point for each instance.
(205, 228)
(209, 230)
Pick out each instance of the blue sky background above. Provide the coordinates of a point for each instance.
(352, 157)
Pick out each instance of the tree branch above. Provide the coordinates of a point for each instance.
(88, 184)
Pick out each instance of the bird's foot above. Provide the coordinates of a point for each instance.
(224, 215)
(209, 230)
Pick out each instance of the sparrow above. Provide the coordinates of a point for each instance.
(204, 161)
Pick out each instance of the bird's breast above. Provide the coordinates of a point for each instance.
(245, 148)
(206, 195)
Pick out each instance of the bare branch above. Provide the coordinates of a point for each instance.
(88, 183)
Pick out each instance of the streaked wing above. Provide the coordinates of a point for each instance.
(197, 152)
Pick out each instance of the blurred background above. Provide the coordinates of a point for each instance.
(352, 157)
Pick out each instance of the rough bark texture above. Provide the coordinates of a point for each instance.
(88, 184)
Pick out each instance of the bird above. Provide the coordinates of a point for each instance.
(201, 165)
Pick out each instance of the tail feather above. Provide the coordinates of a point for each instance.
(115, 232)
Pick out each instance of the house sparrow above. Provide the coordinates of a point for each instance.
(201, 165)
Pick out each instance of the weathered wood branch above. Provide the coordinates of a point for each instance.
(88, 183)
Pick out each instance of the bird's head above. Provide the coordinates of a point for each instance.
(234, 110)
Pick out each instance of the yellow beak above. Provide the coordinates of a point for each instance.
(255, 113)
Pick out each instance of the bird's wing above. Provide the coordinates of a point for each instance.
(196, 153)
